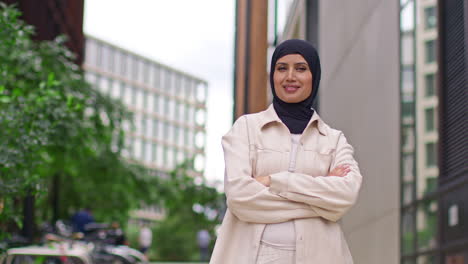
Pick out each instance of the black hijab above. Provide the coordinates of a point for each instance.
(296, 116)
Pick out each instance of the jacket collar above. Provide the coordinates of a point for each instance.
(269, 116)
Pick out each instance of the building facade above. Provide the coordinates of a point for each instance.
(168, 106)
(394, 81)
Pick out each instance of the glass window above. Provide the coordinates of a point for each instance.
(430, 51)
(187, 137)
(180, 157)
(169, 87)
(90, 52)
(408, 138)
(123, 64)
(427, 225)
(102, 84)
(141, 71)
(408, 233)
(160, 155)
(153, 152)
(150, 102)
(143, 150)
(176, 84)
(181, 93)
(132, 68)
(156, 124)
(122, 90)
(171, 109)
(128, 94)
(181, 112)
(201, 92)
(169, 158)
(191, 139)
(200, 139)
(431, 156)
(156, 104)
(150, 74)
(430, 259)
(98, 54)
(110, 68)
(148, 151)
(149, 128)
(139, 99)
(115, 67)
(407, 79)
(430, 117)
(156, 77)
(161, 130)
(143, 125)
(161, 105)
(407, 192)
(430, 17)
(407, 17)
(170, 132)
(180, 136)
(128, 144)
(191, 115)
(116, 89)
(200, 117)
(407, 49)
(430, 84)
(145, 101)
(137, 148)
(407, 109)
(408, 261)
(191, 94)
(199, 162)
(105, 55)
(138, 128)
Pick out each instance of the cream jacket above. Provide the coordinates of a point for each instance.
(258, 145)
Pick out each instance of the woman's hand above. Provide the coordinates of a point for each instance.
(265, 180)
(340, 171)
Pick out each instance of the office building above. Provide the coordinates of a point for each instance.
(169, 106)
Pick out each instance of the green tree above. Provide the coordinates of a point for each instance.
(61, 139)
(191, 205)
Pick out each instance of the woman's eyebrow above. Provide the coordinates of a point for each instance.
(297, 63)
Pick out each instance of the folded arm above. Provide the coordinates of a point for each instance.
(248, 199)
(330, 196)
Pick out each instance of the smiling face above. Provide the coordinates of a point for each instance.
(292, 78)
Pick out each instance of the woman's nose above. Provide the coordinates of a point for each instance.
(291, 75)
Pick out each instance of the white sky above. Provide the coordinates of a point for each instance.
(195, 36)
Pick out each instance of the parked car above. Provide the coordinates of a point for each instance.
(55, 253)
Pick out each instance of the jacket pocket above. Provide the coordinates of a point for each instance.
(267, 162)
(316, 163)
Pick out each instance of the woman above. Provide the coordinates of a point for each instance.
(289, 176)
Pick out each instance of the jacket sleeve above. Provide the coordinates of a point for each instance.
(247, 199)
(330, 196)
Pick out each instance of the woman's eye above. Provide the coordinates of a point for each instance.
(301, 69)
(281, 68)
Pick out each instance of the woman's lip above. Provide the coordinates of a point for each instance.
(291, 88)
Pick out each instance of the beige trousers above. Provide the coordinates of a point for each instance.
(272, 255)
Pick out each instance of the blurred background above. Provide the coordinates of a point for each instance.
(112, 114)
